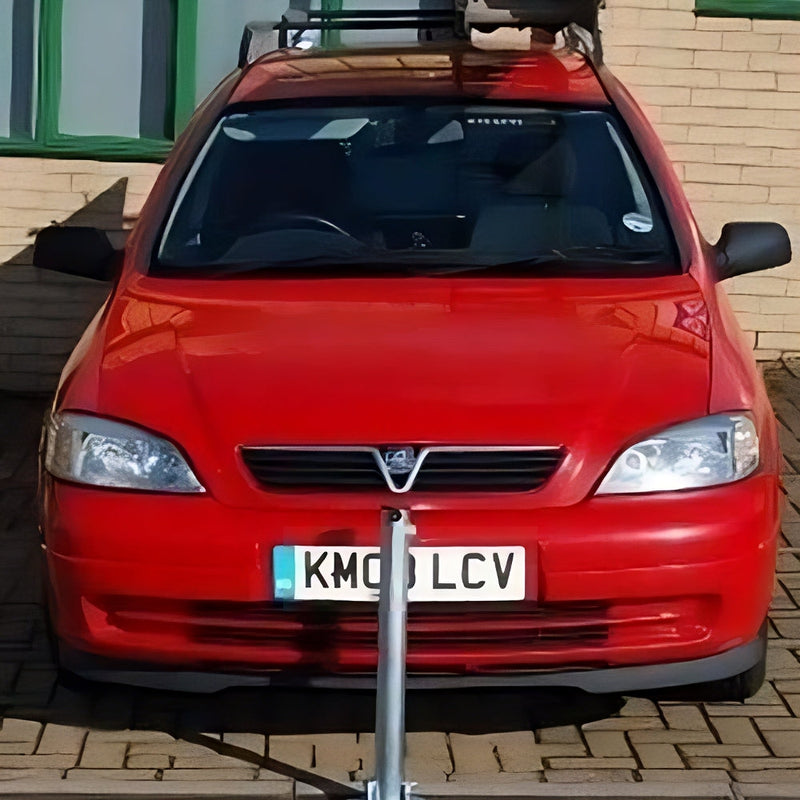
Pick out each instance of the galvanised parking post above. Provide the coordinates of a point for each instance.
(390, 707)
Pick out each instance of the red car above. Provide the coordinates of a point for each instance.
(459, 282)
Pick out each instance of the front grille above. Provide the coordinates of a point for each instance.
(320, 468)
(487, 470)
(437, 469)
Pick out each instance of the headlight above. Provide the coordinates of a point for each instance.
(705, 452)
(99, 452)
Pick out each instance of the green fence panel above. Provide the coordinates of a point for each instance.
(760, 9)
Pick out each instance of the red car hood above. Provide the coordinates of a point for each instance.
(588, 364)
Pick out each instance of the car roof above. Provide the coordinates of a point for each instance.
(544, 73)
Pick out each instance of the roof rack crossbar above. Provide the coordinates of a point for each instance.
(356, 20)
(414, 13)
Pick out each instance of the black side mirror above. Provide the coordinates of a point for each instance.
(86, 252)
(751, 246)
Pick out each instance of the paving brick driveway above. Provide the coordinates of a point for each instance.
(85, 739)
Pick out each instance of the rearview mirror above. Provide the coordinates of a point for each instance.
(86, 252)
(751, 246)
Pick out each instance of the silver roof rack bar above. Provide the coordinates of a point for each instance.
(263, 37)
(364, 20)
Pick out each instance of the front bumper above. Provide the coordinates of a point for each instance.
(618, 680)
(662, 584)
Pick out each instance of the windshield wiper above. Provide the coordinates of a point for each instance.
(381, 260)
(591, 256)
(599, 252)
(223, 269)
(455, 269)
(431, 263)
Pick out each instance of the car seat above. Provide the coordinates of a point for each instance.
(532, 212)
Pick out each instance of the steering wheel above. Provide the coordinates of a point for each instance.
(291, 220)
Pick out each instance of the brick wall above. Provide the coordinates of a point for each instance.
(42, 314)
(724, 95)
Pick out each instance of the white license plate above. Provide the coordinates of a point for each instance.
(438, 574)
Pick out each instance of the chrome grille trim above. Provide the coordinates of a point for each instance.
(556, 452)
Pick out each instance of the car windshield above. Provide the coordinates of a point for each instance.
(428, 189)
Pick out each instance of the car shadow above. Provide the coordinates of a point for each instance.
(40, 693)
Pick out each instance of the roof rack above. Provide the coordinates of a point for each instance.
(367, 20)
(263, 37)
(577, 18)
